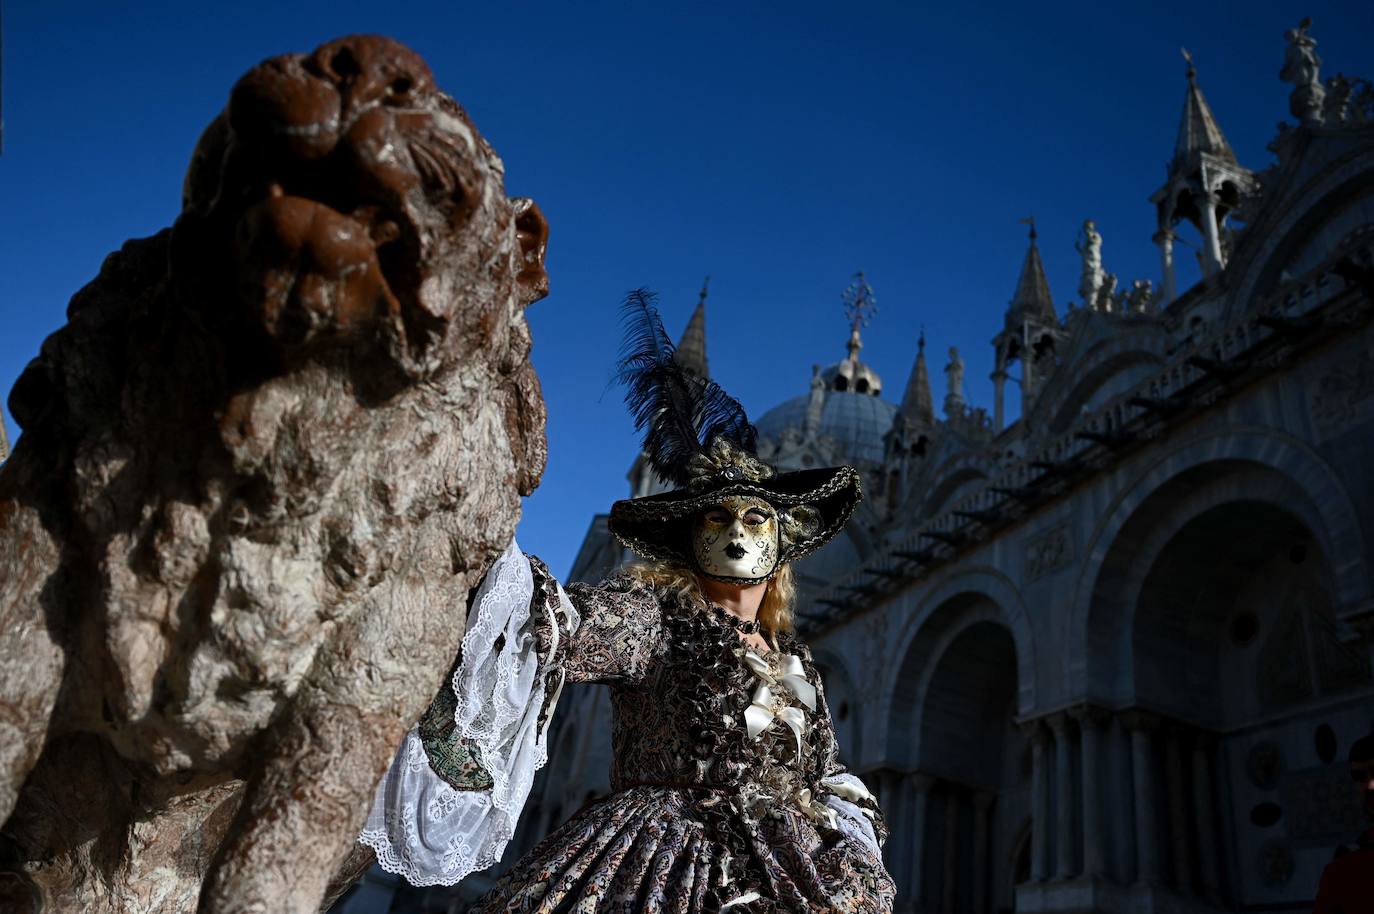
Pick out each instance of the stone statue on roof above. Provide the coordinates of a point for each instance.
(1302, 68)
(1089, 247)
(954, 374)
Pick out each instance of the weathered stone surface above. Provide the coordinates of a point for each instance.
(262, 466)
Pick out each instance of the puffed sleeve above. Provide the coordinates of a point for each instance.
(449, 804)
(621, 630)
(856, 810)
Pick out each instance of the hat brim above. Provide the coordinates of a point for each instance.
(658, 527)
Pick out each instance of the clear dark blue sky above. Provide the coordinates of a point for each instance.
(777, 147)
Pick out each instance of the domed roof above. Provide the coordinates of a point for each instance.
(852, 374)
(856, 421)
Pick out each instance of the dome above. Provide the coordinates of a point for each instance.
(856, 421)
(852, 375)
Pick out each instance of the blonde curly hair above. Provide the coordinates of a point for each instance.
(775, 612)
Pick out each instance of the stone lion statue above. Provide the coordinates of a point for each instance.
(262, 466)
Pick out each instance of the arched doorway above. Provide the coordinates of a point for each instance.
(971, 746)
(958, 813)
(1236, 643)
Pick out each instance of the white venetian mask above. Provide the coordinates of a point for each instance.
(737, 538)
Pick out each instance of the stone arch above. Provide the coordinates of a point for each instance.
(1105, 346)
(952, 476)
(966, 671)
(1285, 228)
(842, 695)
(964, 696)
(1254, 465)
(1114, 366)
(1251, 561)
(951, 604)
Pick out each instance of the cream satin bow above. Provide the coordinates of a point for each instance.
(791, 676)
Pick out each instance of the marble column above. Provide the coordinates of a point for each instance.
(952, 801)
(1178, 810)
(1168, 283)
(1142, 727)
(1205, 816)
(1040, 802)
(1364, 625)
(999, 385)
(1090, 723)
(899, 821)
(1211, 232)
(920, 801)
(1121, 806)
(1030, 376)
(1064, 791)
(884, 787)
(982, 810)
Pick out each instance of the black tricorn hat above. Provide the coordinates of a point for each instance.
(699, 437)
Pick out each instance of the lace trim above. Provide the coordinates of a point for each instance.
(851, 819)
(420, 827)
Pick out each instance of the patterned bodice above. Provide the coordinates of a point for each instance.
(692, 705)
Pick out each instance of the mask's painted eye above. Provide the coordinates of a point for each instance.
(754, 518)
(718, 516)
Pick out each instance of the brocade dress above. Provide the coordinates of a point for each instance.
(727, 791)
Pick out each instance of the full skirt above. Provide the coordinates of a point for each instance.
(659, 850)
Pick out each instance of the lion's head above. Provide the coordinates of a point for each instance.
(340, 179)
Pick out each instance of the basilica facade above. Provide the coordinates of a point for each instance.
(1109, 655)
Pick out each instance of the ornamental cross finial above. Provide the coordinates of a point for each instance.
(704, 283)
(860, 304)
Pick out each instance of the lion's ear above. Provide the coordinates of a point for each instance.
(532, 233)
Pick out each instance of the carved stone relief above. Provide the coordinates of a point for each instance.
(1048, 552)
(1344, 394)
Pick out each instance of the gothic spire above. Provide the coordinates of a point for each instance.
(691, 349)
(1032, 301)
(1198, 131)
(918, 407)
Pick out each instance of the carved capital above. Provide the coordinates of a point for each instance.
(1036, 731)
(1059, 723)
(1091, 716)
(1138, 720)
(919, 781)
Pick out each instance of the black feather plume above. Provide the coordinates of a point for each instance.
(678, 412)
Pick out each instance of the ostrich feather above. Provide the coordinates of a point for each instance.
(678, 413)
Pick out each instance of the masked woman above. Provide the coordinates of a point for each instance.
(727, 792)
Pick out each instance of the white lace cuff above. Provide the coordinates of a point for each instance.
(421, 827)
(852, 820)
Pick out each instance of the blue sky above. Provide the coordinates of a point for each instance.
(777, 147)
